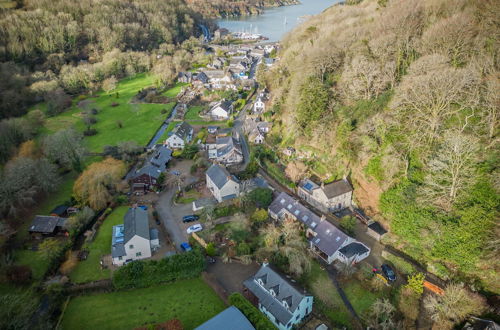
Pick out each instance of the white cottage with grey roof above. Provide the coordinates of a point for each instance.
(133, 239)
(181, 135)
(326, 240)
(331, 197)
(221, 184)
(280, 300)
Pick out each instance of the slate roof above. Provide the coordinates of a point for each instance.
(59, 210)
(226, 145)
(353, 249)
(377, 227)
(136, 222)
(201, 76)
(156, 164)
(328, 238)
(337, 188)
(302, 213)
(46, 224)
(214, 74)
(287, 291)
(219, 176)
(229, 319)
(183, 130)
(153, 234)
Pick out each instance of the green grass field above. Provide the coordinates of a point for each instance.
(139, 121)
(172, 92)
(90, 269)
(193, 113)
(330, 303)
(190, 301)
(360, 297)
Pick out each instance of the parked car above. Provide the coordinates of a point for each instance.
(211, 260)
(190, 218)
(144, 207)
(388, 273)
(158, 222)
(186, 247)
(194, 228)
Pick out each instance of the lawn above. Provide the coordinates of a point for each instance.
(327, 298)
(172, 92)
(360, 297)
(193, 113)
(190, 301)
(90, 269)
(169, 129)
(138, 121)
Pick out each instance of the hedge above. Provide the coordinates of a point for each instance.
(140, 274)
(258, 320)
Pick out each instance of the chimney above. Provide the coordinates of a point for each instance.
(323, 218)
(265, 263)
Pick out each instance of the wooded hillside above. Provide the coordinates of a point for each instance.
(403, 96)
(228, 8)
(42, 43)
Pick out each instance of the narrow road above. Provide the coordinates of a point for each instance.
(168, 219)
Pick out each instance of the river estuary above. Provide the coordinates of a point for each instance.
(274, 23)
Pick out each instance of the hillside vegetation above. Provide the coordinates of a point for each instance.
(228, 8)
(75, 45)
(403, 96)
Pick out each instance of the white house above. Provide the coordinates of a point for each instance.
(226, 150)
(259, 106)
(133, 240)
(256, 136)
(284, 303)
(221, 184)
(221, 110)
(182, 134)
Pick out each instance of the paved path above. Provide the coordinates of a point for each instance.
(169, 219)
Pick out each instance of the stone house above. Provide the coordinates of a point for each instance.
(331, 197)
(180, 136)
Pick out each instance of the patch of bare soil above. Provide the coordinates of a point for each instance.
(367, 194)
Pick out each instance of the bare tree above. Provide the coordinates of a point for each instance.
(426, 99)
(296, 170)
(364, 78)
(109, 84)
(455, 305)
(451, 170)
(381, 315)
(492, 105)
(66, 148)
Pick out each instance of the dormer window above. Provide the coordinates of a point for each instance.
(272, 292)
(285, 304)
(260, 282)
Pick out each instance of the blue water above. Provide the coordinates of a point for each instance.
(274, 23)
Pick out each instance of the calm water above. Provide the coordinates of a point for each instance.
(275, 22)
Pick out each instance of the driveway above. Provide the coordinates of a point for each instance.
(238, 127)
(231, 275)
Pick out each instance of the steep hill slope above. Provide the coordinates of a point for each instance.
(403, 96)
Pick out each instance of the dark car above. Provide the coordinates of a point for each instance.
(211, 260)
(388, 273)
(158, 222)
(190, 218)
(186, 247)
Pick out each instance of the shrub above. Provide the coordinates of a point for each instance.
(243, 249)
(258, 320)
(348, 223)
(211, 250)
(140, 274)
(90, 132)
(224, 211)
(19, 274)
(163, 111)
(122, 200)
(114, 104)
(262, 197)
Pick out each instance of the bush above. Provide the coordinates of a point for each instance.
(211, 250)
(348, 223)
(225, 211)
(258, 320)
(90, 132)
(243, 249)
(262, 197)
(122, 200)
(19, 274)
(140, 274)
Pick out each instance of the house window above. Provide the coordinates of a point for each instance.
(138, 254)
(131, 246)
(120, 258)
(297, 317)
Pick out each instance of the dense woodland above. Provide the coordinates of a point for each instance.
(403, 96)
(75, 45)
(228, 8)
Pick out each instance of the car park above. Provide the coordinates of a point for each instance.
(190, 218)
(194, 228)
(388, 272)
(186, 247)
